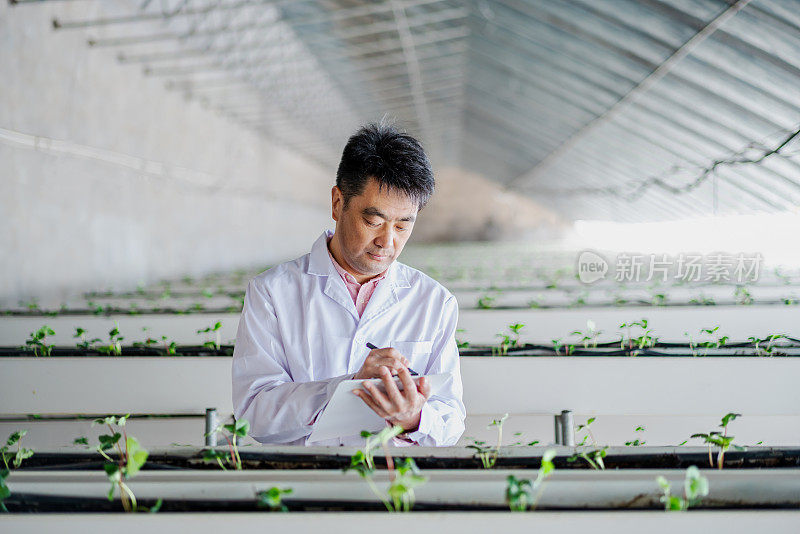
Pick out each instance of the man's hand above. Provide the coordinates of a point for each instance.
(377, 358)
(402, 408)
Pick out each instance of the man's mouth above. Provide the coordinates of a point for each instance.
(376, 257)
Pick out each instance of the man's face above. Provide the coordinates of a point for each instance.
(373, 229)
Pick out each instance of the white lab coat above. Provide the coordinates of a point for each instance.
(300, 335)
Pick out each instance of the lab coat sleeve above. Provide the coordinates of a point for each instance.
(442, 418)
(279, 410)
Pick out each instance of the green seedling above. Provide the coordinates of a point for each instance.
(636, 442)
(522, 494)
(742, 296)
(115, 342)
(31, 305)
(593, 457)
(80, 333)
(717, 343)
(38, 340)
(16, 459)
(658, 299)
(146, 343)
(83, 440)
(702, 300)
(508, 340)
(486, 302)
(720, 439)
(207, 293)
(589, 336)
(640, 342)
(96, 308)
(579, 301)
(461, 344)
(129, 462)
(169, 347)
(400, 494)
(766, 346)
(488, 455)
(235, 431)
(695, 487)
(216, 330)
(273, 499)
(401, 490)
(558, 344)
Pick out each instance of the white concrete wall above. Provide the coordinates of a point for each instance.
(108, 179)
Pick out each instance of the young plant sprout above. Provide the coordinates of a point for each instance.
(720, 439)
(715, 344)
(645, 340)
(130, 460)
(742, 296)
(589, 336)
(658, 299)
(237, 429)
(404, 478)
(695, 487)
(558, 344)
(115, 342)
(18, 457)
(80, 333)
(38, 340)
(522, 494)
(593, 457)
(702, 300)
(216, 330)
(16, 461)
(488, 455)
(486, 302)
(636, 442)
(508, 340)
(765, 347)
(461, 344)
(169, 348)
(273, 499)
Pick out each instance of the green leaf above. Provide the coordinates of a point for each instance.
(112, 471)
(22, 454)
(727, 418)
(137, 456)
(107, 442)
(81, 441)
(156, 507)
(695, 485)
(241, 428)
(14, 438)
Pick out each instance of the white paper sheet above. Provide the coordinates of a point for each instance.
(347, 415)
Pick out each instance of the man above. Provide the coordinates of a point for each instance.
(306, 323)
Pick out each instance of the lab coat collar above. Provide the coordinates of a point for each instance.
(320, 264)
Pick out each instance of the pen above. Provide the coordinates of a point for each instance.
(410, 370)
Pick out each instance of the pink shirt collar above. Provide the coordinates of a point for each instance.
(360, 293)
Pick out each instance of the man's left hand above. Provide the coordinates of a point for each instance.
(402, 408)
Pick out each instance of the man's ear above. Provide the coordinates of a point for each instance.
(337, 201)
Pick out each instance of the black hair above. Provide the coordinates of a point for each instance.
(393, 158)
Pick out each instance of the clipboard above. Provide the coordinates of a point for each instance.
(347, 415)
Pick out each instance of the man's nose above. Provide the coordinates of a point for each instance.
(384, 237)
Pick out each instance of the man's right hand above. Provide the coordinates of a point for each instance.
(377, 358)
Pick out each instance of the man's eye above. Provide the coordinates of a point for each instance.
(401, 228)
(371, 223)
